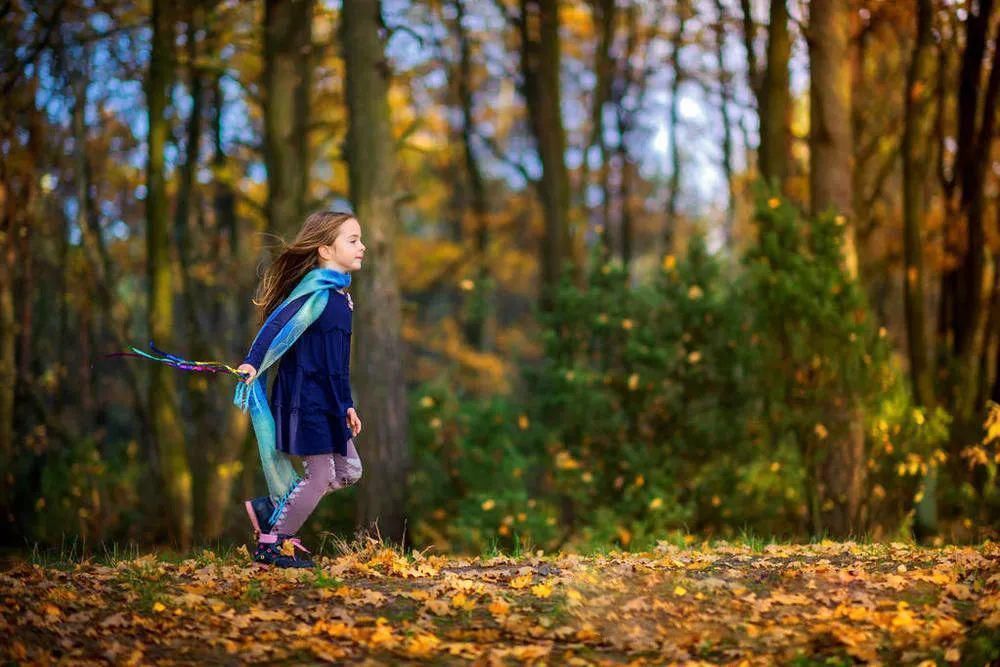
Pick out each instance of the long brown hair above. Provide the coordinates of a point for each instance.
(296, 260)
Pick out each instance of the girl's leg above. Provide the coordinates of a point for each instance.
(323, 473)
(320, 474)
(348, 468)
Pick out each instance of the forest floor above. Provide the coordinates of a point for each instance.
(826, 603)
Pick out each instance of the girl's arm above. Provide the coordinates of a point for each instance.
(256, 354)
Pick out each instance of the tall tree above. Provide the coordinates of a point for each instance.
(479, 322)
(379, 351)
(287, 80)
(725, 99)
(965, 289)
(540, 67)
(771, 88)
(673, 123)
(917, 122)
(163, 410)
(843, 472)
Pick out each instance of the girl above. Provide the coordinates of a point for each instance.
(306, 322)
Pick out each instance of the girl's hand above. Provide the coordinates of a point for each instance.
(353, 421)
(247, 368)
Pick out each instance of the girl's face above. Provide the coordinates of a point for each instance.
(346, 251)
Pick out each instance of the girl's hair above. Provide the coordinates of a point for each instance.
(296, 260)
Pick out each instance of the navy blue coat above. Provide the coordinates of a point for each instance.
(312, 390)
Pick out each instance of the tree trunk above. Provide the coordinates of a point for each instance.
(480, 324)
(843, 469)
(725, 93)
(540, 58)
(673, 121)
(287, 81)
(604, 66)
(916, 126)
(625, 121)
(379, 353)
(774, 100)
(167, 429)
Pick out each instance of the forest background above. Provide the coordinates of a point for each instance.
(636, 269)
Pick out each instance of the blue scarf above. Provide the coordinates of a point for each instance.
(278, 470)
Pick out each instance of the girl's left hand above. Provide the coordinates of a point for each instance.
(353, 421)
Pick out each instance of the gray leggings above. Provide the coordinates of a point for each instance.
(324, 473)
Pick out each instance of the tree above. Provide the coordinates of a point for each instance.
(379, 352)
(166, 427)
(540, 58)
(772, 91)
(287, 79)
(916, 126)
(843, 471)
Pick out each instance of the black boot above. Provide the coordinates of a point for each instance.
(260, 510)
(280, 550)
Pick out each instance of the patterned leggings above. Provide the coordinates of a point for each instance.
(324, 473)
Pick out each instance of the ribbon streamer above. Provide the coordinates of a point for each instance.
(178, 362)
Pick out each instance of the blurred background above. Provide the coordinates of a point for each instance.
(636, 271)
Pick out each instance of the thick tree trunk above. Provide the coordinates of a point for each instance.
(380, 383)
(843, 472)
(916, 126)
(230, 316)
(167, 429)
(774, 100)
(540, 58)
(287, 81)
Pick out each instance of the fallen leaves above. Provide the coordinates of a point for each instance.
(725, 603)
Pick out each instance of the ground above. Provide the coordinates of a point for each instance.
(825, 603)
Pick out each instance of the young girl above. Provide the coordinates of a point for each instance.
(306, 322)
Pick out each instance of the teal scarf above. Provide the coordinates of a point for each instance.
(278, 470)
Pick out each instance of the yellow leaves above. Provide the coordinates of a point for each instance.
(422, 645)
(488, 504)
(461, 601)
(802, 595)
(773, 202)
(627, 324)
(467, 285)
(523, 423)
(427, 402)
(669, 263)
(542, 590)
(821, 431)
(633, 381)
(656, 503)
(695, 293)
(904, 619)
(438, 607)
(565, 461)
(288, 549)
(498, 607)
